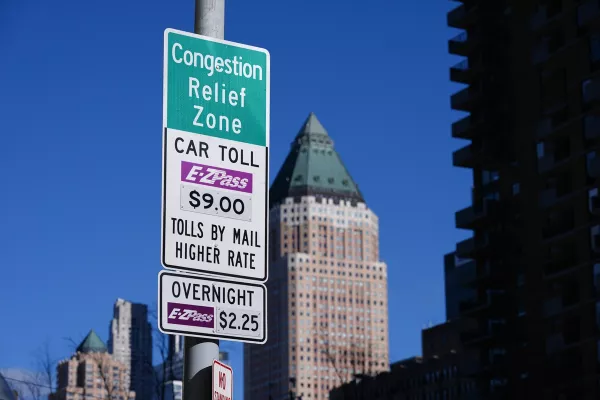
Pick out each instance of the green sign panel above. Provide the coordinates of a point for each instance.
(216, 88)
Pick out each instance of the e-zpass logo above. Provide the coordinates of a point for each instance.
(216, 177)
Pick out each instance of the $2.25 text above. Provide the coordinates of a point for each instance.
(229, 320)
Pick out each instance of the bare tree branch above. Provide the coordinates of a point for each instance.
(16, 389)
(330, 352)
(48, 367)
(72, 343)
(45, 372)
(161, 345)
(104, 371)
(34, 384)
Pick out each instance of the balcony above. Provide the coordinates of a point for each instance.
(465, 248)
(548, 197)
(544, 15)
(593, 165)
(472, 305)
(463, 128)
(468, 247)
(491, 303)
(460, 72)
(464, 99)
(539, 18)
(482, 273)
(558, 224)
(591, 127)
(595, 238)
(593, 203)
(553, 195)
(544, 127)
(546, 163)
(464, 157)
(459, 44)
(587, 12)
(456, 17)
(461, 16)
(554, 343)
(541, 52)
(560, 262)
(553, 306)
(591, 92)
(468, 217)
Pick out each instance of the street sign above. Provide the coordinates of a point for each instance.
(215, 157)
(222, 385)
(195, 305)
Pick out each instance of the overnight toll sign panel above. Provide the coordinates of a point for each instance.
(194, 305)
(214, 206)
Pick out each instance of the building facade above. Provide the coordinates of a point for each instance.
(92, 374)
(532, 98)
(439, 374)
(130, 342)
(173, 390)
(327, 289)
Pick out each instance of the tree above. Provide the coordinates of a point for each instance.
(15, 386)
(351, 350)
(41, 380)
(34, 385)
(104, 368)
(161, 345)
(337, 355)
(46, 370)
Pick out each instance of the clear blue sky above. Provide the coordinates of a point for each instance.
(80, 106)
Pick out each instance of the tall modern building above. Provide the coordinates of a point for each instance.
(130, 342)
(327, 289)
(531, 70)
(91, 373)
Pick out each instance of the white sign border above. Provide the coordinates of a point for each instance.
(164, 155)
(208, 335)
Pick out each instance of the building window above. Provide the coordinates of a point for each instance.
(489, 176)
(589, 91)
(492, 196)
(540, 150)
(516, 188)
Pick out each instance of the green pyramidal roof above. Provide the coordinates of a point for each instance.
(92, 344)
(314, 168)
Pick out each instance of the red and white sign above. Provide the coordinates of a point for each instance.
(222, 386)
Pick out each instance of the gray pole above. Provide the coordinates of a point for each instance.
(198, 354)
(210, 18)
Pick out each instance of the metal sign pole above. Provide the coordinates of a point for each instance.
(198, 353)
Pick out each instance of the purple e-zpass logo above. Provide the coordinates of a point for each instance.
(216, 177)
(186, 314)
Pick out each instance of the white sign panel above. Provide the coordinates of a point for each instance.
(222, 385)
(214, 206)
(195, 305)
